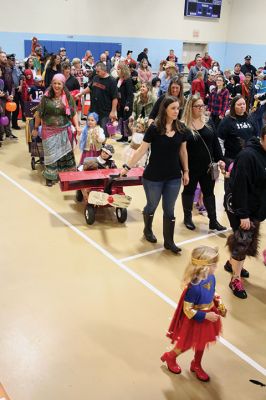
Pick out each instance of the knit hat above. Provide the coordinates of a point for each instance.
(108, 149)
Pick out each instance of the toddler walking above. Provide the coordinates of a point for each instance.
(196, 321)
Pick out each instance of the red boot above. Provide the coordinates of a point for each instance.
(200, 373)
(170, 359)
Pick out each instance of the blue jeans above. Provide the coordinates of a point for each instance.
(168, 190)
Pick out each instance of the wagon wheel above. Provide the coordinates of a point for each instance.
(121, 215)
(79, 196)
(89, 214)
(33, 163)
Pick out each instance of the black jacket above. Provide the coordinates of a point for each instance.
(143, 55)
(125, 98)
(248, 182)
(248, 68)
(235, 132)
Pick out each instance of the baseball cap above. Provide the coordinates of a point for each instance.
(11, 56)
(62, 49)
(248, 58)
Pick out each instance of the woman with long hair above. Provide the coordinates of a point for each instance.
(218, 101)
(202, 146)
(166, 138)
(55, 113)
(54, 67)
(125, 98)
(144, 72)
(175, 89)
(143, 102)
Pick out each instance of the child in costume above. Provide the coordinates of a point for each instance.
(27, 84)
(137, 138)
(196, 321)
(91, 138)
(104, 160)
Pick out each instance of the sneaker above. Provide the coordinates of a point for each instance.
(17, 128)
(228, 268)
(12, 136)
(237, 288)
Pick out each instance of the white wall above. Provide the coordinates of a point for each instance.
(162, 19)
(247, 22)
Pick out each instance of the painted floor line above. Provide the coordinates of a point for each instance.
(195, 239)
(136, 276)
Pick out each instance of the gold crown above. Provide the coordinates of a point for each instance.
(196, 261)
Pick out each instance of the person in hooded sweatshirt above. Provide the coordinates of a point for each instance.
(245, 204)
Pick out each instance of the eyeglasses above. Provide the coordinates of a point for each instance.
(200, 106)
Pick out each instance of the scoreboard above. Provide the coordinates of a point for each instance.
(203, 8)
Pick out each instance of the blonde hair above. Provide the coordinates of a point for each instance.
(201, 258)
(143, 122)
(125, 71)
(75, 60)
(187, 114)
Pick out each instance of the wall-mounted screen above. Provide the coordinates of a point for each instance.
(203, 8)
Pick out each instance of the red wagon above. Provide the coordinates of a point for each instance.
(105, 188)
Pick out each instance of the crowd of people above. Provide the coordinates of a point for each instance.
(179, 136)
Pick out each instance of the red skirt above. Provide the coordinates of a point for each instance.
(193, 334)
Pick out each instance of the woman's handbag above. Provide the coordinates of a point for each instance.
(213, 169)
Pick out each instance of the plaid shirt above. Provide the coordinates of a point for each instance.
(218, 102)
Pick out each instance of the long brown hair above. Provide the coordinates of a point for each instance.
(177, 81)
(160, 121)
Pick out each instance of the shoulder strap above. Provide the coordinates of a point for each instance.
(204, 144)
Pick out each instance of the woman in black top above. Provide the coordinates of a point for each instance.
(162, 177)
(175, 89)
(236, 129)
(125, 98)
(202, 146)
(52, 69)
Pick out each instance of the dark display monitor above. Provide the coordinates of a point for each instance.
(203, 8)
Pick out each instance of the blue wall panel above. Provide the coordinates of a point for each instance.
(226, 53)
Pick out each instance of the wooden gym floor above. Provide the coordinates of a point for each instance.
(85, 309)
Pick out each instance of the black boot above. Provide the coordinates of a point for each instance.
(187, 201)
(148, 228)
(210, 205)
(168, 234)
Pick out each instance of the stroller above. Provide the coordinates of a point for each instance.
(34, 143)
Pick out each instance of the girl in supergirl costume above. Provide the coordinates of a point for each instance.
(196, 321)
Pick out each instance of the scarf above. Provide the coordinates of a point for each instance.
(61, 78)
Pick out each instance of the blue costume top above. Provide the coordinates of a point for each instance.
(199, 297)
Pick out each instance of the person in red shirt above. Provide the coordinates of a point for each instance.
(193, 62)
(129, 60)
(207, 61)
(198, 85)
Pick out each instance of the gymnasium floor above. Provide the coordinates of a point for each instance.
(85, 309)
